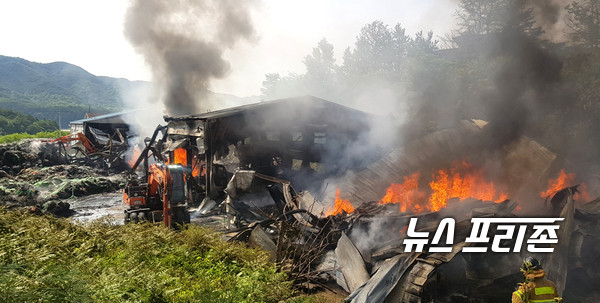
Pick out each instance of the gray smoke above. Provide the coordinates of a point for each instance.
(183, 42)
(524, 86)
(550, 16)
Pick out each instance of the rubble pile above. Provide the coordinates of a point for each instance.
(17, 156)
(29, 179)
(362, 255)
(357, 249)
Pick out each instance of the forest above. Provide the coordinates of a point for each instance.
(498, 65)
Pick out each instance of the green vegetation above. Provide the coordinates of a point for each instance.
(45, 259)
(15, 122)
(20, 136)
(60, 90)
(495, 66)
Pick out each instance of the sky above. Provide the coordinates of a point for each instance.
(89, 33)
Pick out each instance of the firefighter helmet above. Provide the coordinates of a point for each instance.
(531, 263)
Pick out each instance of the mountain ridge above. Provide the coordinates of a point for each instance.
(64, 92)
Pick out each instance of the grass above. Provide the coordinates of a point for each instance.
(45, 259)
(20, 136)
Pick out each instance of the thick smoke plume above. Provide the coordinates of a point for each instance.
(184, 42)
(524, 86)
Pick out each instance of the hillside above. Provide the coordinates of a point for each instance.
(52, 89)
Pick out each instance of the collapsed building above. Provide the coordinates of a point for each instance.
(102, 129)
(256, 167)
(97, 140)
(296, 139)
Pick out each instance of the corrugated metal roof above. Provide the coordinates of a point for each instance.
(106, 116)
(292, 102)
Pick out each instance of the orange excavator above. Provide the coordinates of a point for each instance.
(162, 194)
(89, 147)
(162, 198)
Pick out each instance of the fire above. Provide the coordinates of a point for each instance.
(196, 164)
(196, 168)
(405, 194)
(135, 154)
(340, 206)
(180, 156)
(461, 181)
(565, 180)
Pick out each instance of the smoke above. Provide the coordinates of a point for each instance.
(550, 16)
(184, 43)
(523, 85)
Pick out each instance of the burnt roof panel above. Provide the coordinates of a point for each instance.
(292, 103)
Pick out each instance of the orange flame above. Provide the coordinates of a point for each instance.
(405, 193)
(565, 180)
(196, 164)
(466, 183)
(196, 169)
(135, 154)
(340, 206)
(180, 156)
(461, 181)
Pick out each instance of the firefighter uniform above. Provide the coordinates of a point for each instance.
(536, 288)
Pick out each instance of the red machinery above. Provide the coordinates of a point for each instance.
(90, 148)
(162, 194)
(162, 198)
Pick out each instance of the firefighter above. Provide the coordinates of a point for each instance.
(536, 288)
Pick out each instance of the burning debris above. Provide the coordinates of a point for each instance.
(296, 139)
(242, 168)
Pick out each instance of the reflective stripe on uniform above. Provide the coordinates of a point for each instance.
(543, 301)
(544, 291)
(519, 293)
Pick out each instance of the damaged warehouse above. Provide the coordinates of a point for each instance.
(295, 139)
(256, 171)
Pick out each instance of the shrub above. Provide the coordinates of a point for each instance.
(47, 259)
(20, 136)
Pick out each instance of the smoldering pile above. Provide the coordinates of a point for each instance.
(358, 251)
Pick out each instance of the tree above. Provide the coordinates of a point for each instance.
(34, 129)
(320, 69)
(482, 17)
(269, 85)
(584, 21)
(275, 86)
(423, 45)
(373, 50)
(401, 43)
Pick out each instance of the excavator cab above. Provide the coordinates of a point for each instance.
(163, 198)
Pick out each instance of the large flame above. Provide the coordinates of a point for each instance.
(340, 206)
(461, 181)
(405, 194)
(180, 156)
(565, 180)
